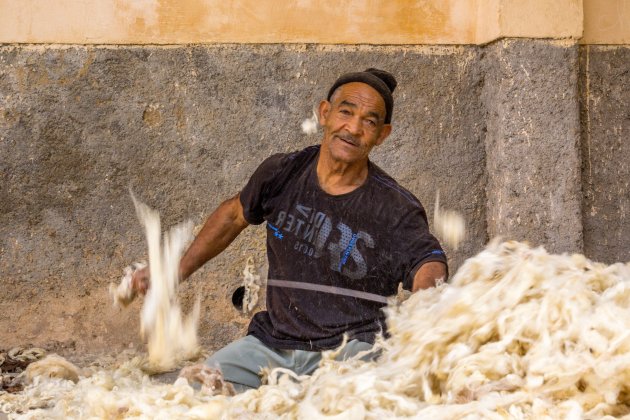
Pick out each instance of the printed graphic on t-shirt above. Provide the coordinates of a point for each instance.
(310, 231)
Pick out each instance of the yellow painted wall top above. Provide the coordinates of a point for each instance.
(402, 22)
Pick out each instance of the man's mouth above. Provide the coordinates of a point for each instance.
(348, 139)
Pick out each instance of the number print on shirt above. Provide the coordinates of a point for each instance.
(311, 230)
(346, 247)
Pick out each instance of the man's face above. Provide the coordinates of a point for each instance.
(353, 122)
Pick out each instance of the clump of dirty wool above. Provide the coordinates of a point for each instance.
(171, 337)
(13, 364)
(54, 366)
(251, 282)
(124, 294)
(518, 333)
(309, 125)
(122, 390)
(449, 225)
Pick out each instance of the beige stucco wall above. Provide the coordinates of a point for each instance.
(528, 19)
(488, 21)
(290, 21)
(311, 21)
(238, 21)
(606, 22)
(541, 18)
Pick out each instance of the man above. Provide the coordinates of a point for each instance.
(341, 236)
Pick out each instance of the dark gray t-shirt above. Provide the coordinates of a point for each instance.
(333, 259)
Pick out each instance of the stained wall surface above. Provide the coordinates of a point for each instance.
(184, 127)
(261, 21)
(605, 119)
(525, 135)
(532, 144)
(380, 22)
(401, 22)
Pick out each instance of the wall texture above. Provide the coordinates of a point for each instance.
(605, 111)
(400, 22)
(499, 129)
(185, 127)
(526, 137)
(379, 22)
(532, 143)
(606, 22)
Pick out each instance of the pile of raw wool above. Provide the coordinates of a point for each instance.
(13, 362)
(518, 333)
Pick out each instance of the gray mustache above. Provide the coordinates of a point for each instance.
(349, 138)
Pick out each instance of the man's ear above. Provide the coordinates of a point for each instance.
(385, 132)
(324, 109)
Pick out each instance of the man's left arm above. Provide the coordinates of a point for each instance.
(428, 274)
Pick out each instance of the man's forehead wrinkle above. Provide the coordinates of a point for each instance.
(348, 103)
(354, 99)
(361, 91)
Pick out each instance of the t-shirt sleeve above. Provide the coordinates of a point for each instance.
(256, 192)
(417, 245)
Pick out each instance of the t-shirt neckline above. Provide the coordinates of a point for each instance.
(357, 190)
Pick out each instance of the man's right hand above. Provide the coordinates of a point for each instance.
(223, 225)
(140, 282)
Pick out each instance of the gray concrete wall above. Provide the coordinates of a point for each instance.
(605, 117)
(532, 143)
(495, 128)
(185, 127)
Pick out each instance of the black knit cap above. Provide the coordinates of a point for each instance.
(384, 83)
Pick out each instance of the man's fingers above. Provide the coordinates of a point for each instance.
(140, 281)
(141, 286)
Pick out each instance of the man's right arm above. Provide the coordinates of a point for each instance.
(221, 228)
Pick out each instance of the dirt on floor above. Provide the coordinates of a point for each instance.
(85, 327)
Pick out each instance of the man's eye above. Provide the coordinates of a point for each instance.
(371, 123)
(345, 112)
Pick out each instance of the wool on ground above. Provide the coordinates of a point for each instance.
(518, 333)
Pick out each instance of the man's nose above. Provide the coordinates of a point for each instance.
(354, 126)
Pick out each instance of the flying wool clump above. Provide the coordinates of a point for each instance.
(251, 283)
(449, 225)
(309, 125)
(171, 338)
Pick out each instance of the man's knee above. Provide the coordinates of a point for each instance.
(240, 363)
(355, 347)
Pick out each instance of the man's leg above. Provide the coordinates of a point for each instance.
(354, 347)
(241, 362)
(306, 362)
